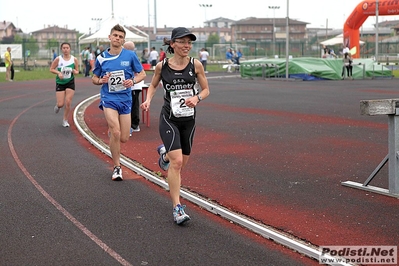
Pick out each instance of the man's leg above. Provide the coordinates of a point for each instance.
(87, 68)
(112, 118)
(12, 72)
(8, 68)
(119, 126)
(135, 115)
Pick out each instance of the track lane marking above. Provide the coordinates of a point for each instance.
(57, 205)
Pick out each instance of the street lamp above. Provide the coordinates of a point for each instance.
(205, 6)
(274, 26)
(98, 21)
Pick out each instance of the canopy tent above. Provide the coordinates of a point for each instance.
(101, 36)
(339, 39)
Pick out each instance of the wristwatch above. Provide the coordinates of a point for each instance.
(199, 97)
(134, 81)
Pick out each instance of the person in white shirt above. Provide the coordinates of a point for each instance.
(153, 58)
(203, 55)
(345, 50)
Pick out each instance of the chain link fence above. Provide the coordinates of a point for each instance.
(39, 55)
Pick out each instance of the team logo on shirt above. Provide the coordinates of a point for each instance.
(125, 63)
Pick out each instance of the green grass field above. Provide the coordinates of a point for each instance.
(44, 73)
(22, 75)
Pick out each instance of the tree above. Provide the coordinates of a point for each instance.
(212, 39)
(52, 44)
(27, 44)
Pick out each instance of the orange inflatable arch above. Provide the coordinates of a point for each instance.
(362, 11)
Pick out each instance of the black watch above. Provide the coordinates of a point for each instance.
(199, 97)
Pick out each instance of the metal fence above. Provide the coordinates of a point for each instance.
(38, 54)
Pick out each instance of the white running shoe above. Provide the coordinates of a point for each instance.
(65, 123)
(117, 174)
(164, 165)
(179, 215)
(56, 109)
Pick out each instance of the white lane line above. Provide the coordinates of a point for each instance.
(268, 232)
(58, 206)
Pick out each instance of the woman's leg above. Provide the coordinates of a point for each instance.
(68, 102)
(176, 160)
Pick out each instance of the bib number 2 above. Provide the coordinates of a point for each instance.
(178, 103)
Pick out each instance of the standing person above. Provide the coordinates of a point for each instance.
(153, 58)
(136, 89)
(179, 74)
(114, 71)
(162, 54)
(8, 62)
(238, 56)
(144, 56)
(92, 57)
(99, 50)
(65, 67)
(54, 55)
(348, 65)
(12, 68)
(203, 55)
(229, 58)
(86, 58)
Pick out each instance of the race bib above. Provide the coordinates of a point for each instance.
(178, 105)
(66, 72)
(115, 81)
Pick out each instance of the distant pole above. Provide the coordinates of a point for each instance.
(287, 40)
(274, 27)
(326, 28)
(376, 32)
(155, 16)
(149, 17)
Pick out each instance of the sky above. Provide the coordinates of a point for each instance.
(84, 16)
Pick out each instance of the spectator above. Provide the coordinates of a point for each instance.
(54, 55)
(8, 63)
(162, 54)
(203, 55)
(144, 56)
(153, 58)
(348, 65)
(136, 89)
(229, 58)
(86, 60)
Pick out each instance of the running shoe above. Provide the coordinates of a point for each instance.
(136, 129)
(164, 165)
(117, 174)
(179, 215)
(56, 109)
(65, 123)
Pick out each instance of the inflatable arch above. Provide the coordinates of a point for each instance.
(362, 11)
